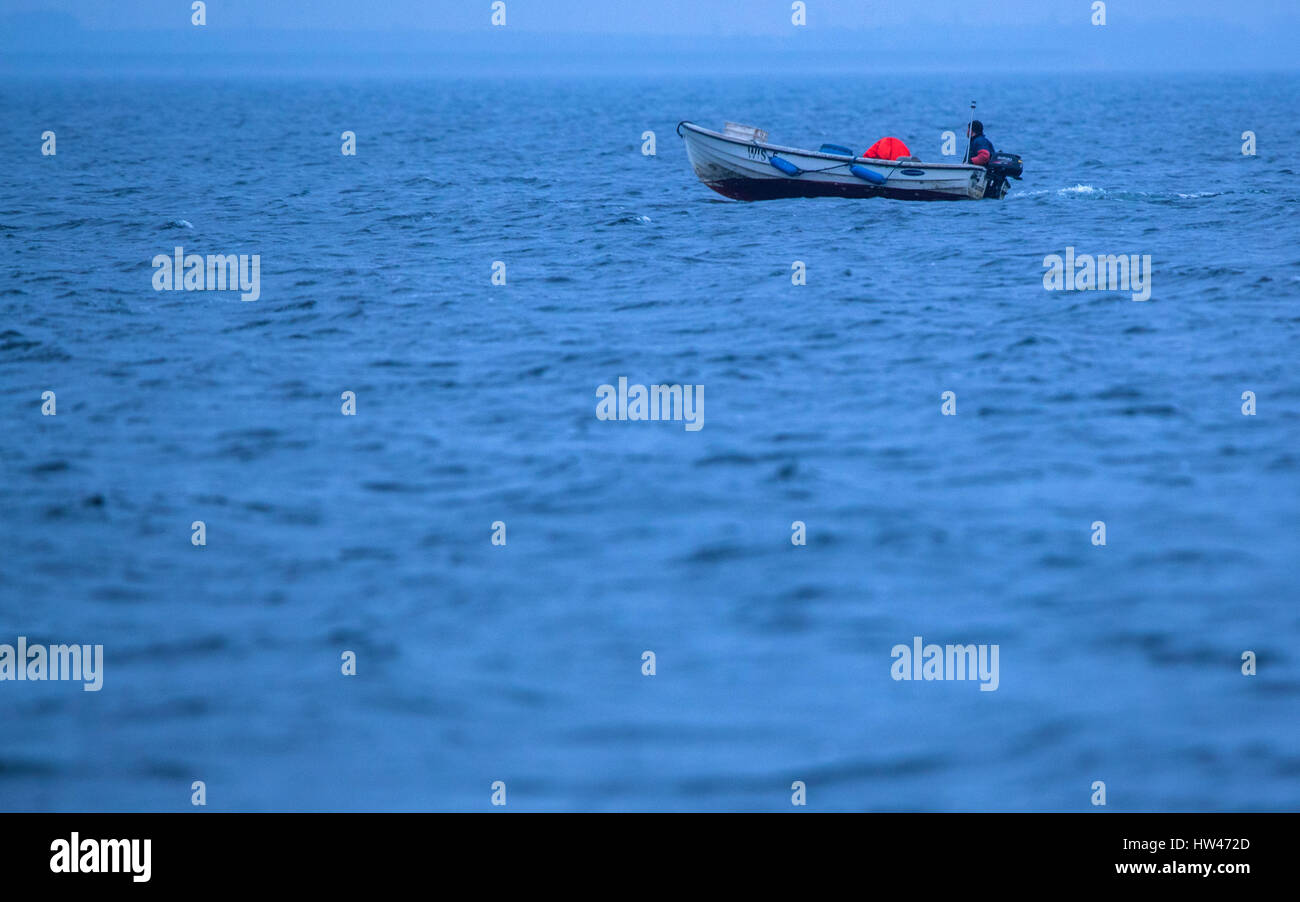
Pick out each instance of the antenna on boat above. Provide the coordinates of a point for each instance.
(965, 157)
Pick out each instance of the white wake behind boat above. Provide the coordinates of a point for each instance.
(740, 164)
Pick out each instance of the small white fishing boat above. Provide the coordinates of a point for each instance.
(738, 163)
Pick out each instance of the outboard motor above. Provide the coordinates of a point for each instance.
(1001, 166)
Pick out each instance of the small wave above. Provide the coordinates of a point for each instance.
(1093, 191)
(422, 180)
(407, 217)
(1081, 190)
(179, 224)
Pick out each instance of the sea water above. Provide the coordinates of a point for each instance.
(940, 431)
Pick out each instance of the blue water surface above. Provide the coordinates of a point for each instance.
(476, 403)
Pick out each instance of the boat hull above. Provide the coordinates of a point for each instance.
(744, 170)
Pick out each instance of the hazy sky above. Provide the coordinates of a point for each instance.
(688, 17)
(1152, 34)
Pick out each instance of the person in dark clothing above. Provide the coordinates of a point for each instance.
(981, 148)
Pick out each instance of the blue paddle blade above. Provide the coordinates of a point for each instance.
(836, 149)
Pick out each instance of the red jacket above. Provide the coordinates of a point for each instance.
(981, 149)
(887, 149)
